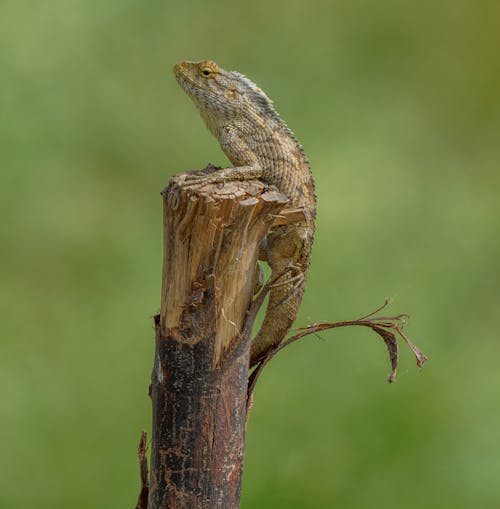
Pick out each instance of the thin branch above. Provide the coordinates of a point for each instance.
(142, 501)
(383, 306)
(384, 326)
(420, 356)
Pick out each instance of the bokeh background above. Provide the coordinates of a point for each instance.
(397, 105)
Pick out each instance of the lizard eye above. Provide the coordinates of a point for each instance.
(206, 71)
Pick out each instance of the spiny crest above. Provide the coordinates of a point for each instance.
(258, 96)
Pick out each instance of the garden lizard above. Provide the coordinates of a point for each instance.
(260, 146)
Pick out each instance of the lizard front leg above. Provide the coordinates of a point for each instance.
(223, 175)
(246, 166)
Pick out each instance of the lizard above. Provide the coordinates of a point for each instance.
(259, 145)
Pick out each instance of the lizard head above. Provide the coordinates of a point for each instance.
(221, 96)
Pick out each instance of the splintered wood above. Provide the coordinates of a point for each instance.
(211, 244)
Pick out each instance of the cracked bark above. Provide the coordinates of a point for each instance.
(200, 374)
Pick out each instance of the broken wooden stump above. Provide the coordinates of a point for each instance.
(200, 374)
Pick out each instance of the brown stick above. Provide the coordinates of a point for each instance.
(200, 374)
(142, 501)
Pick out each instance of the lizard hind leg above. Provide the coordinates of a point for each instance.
(288, 256)
(284, 301)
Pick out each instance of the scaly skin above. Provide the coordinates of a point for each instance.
(260, 146)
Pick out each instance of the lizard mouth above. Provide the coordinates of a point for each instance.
(180, 74)
(178, 71)
(183, 77)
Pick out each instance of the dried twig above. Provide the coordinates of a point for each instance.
(385, 326)
(142, 501)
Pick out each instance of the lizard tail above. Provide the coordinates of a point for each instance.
(284, 302)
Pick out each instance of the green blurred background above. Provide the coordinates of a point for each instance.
(397, 106)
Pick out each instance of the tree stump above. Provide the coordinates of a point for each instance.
(200, 375)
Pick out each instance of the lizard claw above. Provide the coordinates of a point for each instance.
(195, 183)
